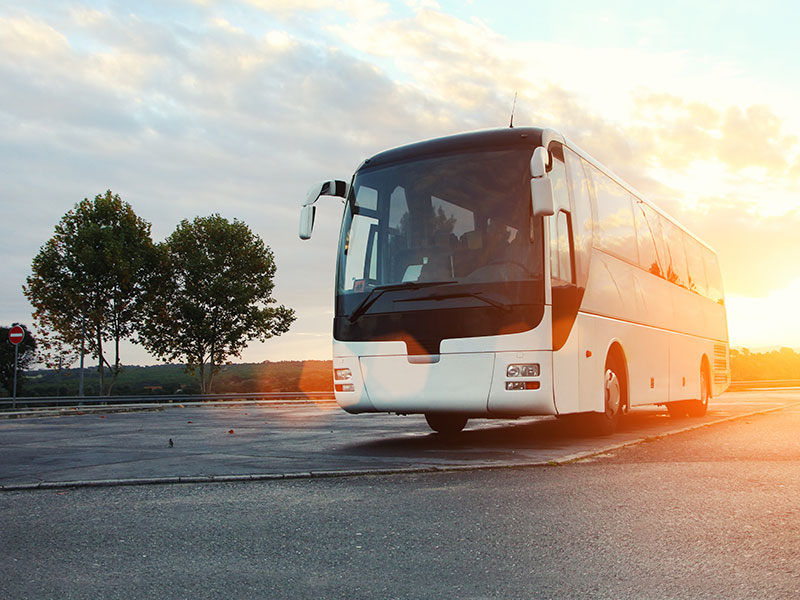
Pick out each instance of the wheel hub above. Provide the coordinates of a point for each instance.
(613, 393)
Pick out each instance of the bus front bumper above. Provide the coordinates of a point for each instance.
(487, 384)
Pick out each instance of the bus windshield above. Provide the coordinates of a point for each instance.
(460, 218)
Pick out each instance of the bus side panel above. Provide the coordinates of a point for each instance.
(648, 366)
(686, 355)
(591, 363)
(567, 369)
(648, 359)
(646, 353)
(707, 321)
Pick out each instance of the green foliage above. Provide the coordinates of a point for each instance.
(284, 376)
(26, 350)
(88, 280)
(754, 366)
(213, 294)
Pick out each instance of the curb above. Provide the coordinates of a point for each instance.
(76, 411)
(53, 411)
(329, 474)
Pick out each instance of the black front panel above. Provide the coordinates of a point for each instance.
(424, 330)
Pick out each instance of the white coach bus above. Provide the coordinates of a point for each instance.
(504, 273)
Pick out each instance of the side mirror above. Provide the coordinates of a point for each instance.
(539, 162)
(334, 187)
(542, 202)
(306, 222)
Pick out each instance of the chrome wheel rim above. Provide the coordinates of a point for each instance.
(613, 393)
(703, 389)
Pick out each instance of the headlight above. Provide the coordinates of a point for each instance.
(524, 370)
(342, 374)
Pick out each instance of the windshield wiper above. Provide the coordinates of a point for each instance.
(378, 291)
(478, 295)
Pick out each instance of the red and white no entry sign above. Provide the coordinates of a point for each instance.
(16, 334)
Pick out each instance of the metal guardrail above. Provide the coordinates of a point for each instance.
(740, 386)
(54, 401)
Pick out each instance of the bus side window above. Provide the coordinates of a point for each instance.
(677, 271)
(614, 228)
(694, 260)
(714, 276)
(581, 215)
(560, 247)
(650, 257)
(562, 265)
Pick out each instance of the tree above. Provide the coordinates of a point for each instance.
(88, 280)
(25, 358)
(214, 295)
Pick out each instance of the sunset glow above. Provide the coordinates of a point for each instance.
(193, 108)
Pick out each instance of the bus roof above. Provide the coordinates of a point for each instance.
(523, 137)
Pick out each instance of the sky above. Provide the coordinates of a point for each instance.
(194, 107)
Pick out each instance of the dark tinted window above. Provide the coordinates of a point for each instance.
(697, 271)
(713, 275)
(648, 230)
(676, 266)
(560, 260)
(614, 231)
(581, 214)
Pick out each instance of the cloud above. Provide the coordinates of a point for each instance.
(757, 251)
(740, 137)
(289, 8)
(230, 122)
(239, 109)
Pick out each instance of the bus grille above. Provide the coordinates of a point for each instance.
(720, 363)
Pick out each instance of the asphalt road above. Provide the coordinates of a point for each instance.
(243, 441)
(709, 513)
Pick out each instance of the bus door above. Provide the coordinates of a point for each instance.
(565, 294)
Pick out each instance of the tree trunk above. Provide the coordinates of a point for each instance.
(100, 362)
(211, 369)
(116, 369)
(202, 373)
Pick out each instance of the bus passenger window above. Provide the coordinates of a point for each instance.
(649, 255)
(559, 233)
(562, 263)
(714, 276)
(581, 215)
(697, 272)
(677, 272)
(615, 231)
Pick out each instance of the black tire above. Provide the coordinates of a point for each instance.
(445, 423)
(678, 410)
(692, 408)
(614, 390)
(699, 407)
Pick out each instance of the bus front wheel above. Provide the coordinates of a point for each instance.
(614, 389)
(446, 423)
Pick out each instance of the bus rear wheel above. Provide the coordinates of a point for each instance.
(692, 408)
(699, 407)
(446, 423)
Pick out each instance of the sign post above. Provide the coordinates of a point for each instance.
(15, 335)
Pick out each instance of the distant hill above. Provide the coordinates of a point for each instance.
(284, 376)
